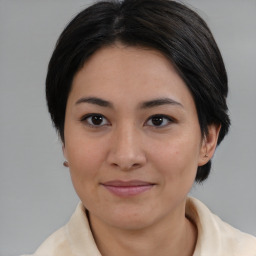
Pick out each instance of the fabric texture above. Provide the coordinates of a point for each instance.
(215, 237)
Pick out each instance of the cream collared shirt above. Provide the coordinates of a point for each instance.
(215, 237)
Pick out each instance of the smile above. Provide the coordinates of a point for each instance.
(127, 188)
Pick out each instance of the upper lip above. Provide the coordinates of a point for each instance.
(130, 183)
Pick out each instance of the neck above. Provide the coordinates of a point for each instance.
(178, 238)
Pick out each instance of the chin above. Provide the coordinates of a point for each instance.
(131, 218)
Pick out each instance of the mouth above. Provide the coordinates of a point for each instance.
(127, 188)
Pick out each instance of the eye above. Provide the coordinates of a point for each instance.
(159, 121)
(95, 120)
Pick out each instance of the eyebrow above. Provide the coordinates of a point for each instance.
(96, 101)
(160, 102)
(143, 105)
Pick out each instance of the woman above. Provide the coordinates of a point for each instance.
(137, 92)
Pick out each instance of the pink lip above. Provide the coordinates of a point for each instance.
(127, 188)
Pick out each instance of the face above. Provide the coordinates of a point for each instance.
(132, 137)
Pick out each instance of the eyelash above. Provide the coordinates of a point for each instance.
(165, 118)
(86, 117)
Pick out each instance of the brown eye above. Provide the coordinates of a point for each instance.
(159, 121)
(95, 120)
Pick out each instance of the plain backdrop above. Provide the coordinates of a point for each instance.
(36, 194)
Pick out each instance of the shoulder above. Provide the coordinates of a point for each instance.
(215, 235)
(74, 239)
(55, 245)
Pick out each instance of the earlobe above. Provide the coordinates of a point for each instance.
(65, 163)
(209, 144)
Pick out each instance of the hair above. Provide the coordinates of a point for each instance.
(173, 29)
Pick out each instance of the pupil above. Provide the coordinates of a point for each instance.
(157, 121)
(97, 120)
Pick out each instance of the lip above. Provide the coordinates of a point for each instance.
(127, 188)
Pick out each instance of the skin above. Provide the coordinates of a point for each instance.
(127, 145)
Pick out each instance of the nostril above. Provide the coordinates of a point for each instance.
(126, 166)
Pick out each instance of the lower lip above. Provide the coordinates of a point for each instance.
(128, 191)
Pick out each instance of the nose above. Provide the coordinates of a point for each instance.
(126, 149)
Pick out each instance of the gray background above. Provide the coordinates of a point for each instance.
(36, 194)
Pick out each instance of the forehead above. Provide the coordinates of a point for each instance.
(119, 70)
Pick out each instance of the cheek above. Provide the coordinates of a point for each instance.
(85, 161)
(85, 158)
(177, 159)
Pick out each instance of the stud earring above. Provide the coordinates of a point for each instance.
(65, 163)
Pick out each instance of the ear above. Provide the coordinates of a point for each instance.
(209, 144)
